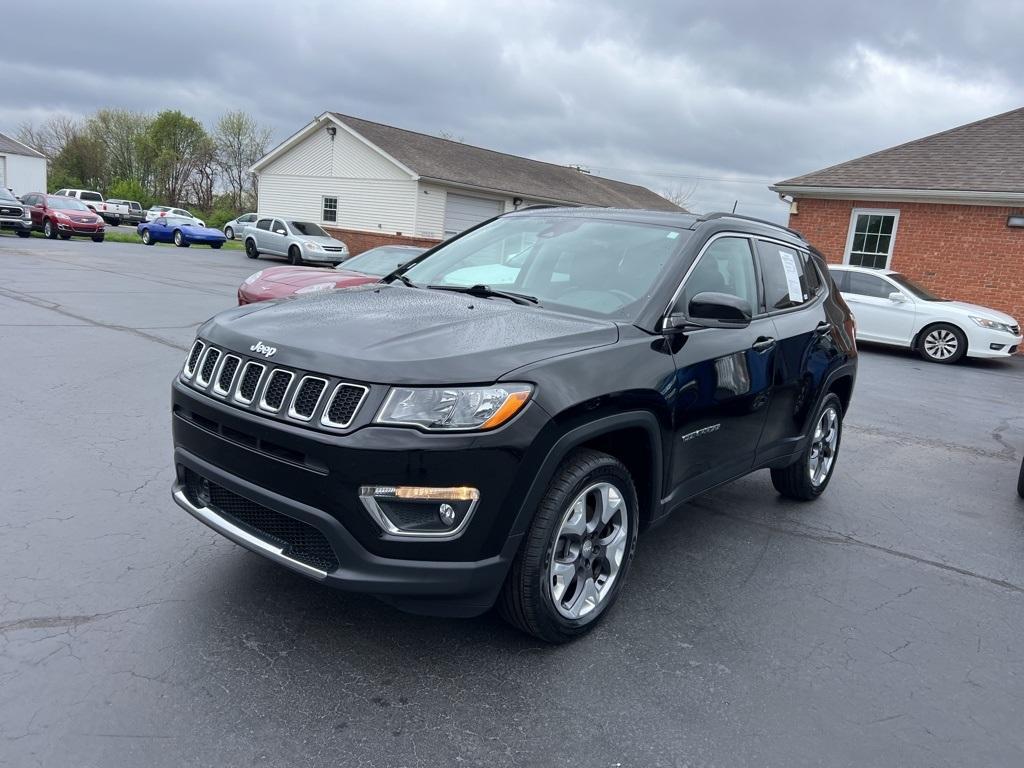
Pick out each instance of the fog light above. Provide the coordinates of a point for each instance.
(996, 347)
(414, 511)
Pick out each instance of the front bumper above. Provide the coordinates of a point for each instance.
(984, 342)
(324, 257)
(314, 478)
(18, 225)
(80, 229)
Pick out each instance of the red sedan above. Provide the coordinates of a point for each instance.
(63, 217)
(367, 267)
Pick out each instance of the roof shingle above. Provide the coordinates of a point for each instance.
(10, 146)
(984, 156)
(435, 158)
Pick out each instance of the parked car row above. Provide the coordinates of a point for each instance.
(53, 215)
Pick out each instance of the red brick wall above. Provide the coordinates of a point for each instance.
(358, 242)
(963, 252)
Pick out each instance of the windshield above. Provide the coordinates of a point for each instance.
(909, 285)
(176, 221)
(593, 266)
(66, 203)
(379, 261)
(6, 196)
(307, 228)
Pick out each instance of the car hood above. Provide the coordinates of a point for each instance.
(195, 229)
(320, 240)
(395, 335)
(300, 276)
(978, 311)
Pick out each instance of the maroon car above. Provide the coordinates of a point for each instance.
(367, 267)
(63, 217)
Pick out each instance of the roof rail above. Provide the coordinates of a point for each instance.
(538, 206)
(776, 225)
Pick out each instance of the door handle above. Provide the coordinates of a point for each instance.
(763, 344)
(823, 328)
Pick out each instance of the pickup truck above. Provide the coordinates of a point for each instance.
(110, 211)
(136, 214)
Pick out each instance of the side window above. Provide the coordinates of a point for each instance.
(869, 285)
(278, 226)
(726, 266)
(263, 224)
(247, 218)
(330, 209)
(811, 274)
(783, 276)
(841, 278)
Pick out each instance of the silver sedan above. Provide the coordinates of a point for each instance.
(235, 226)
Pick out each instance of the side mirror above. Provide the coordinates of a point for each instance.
(712, 310)
(280, 232)
(898, 297)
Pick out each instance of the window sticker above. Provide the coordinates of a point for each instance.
(796, 293)
(672, 235)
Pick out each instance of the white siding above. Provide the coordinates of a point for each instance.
(377, 205)
(353, 158)
(310, 157)
(24, 174)
(430, 216)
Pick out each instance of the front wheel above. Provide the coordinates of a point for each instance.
(98, 238)
(179, 239)
(229, 233)
(577, 552)
(942, 343)
(64, 236)
(250, 249)
(807, 477)
(49, 231)
(216, 246)
(1020, 481)
(294, 256)
(147, 239)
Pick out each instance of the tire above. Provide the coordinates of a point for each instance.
(65, 237)
(799, 480)
(216, 246)
(229, 233)
(250, 249)
(295, 256)
(532, 598)
(942, 343)
(1020, 481)
(147, 239)
(98, 238)
(49, 231)
(179, 239)
(23, 233)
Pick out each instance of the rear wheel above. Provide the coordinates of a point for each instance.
(49, 231)
(577, 552)
(294, 255)
(229, 233)
(942, 343)
(807, 477)
(179, 239)
(250, 249)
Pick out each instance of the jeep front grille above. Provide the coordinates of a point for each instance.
(273, 391)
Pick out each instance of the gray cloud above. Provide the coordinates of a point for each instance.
(661, 92)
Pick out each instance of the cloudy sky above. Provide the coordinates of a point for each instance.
(713, 99)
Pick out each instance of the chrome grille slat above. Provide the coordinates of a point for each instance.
(193, 358)
(276, 389)
(249, 382)
(226, 375)
(307, 397)
(340, 411)
(210, 358)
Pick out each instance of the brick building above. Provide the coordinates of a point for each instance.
(947, 210)
(373, 184)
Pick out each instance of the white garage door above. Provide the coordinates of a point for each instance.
(462, 212)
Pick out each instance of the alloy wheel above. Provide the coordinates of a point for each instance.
(941, 344)
(823, 446)
(589, 550)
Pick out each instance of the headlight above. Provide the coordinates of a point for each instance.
(453, 408)
(992, 325)
(313, 246)
(317, 288)
(26, 213)
(253, 278)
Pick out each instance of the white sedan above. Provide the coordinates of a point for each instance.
(891, 309)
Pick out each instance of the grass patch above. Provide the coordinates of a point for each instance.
(131, 237)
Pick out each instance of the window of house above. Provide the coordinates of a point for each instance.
(784, 276)
(330, 209)
(871, 239)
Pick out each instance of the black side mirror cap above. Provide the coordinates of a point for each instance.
(711, 310)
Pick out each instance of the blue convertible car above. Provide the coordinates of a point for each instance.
(181, 232)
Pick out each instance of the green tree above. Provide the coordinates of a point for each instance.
(81, 163)
(240, 141)
(122, 133)
(129, 189)
(174, 145)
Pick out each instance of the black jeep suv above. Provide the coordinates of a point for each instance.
(496, 420)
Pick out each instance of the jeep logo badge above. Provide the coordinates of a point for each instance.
(262, 349)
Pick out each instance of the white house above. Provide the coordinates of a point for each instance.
(373, 184)
(22, 168)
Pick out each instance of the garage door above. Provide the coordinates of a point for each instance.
(462, 212)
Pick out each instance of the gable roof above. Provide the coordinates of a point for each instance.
(436, 159)
(11, 146)
(982, 157)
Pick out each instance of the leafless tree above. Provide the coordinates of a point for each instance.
(50, 136)
(239, 141)
(679, 194)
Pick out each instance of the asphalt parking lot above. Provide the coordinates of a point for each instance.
(880, 626)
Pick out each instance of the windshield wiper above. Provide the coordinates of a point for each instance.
(402, 278)
(485, 292)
